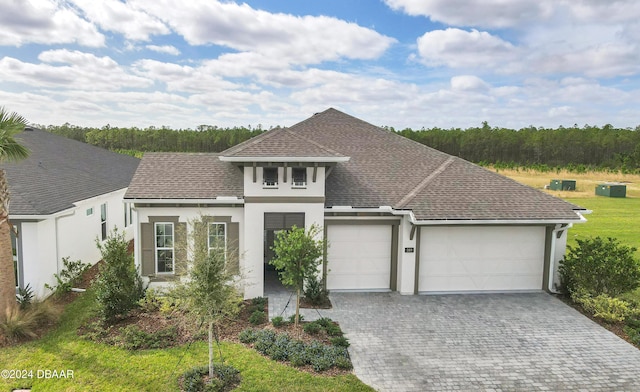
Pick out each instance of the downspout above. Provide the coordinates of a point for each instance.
(552, 254)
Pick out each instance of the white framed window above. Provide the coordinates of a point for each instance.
(217, 238)
(89, 211)
(103, 221)
(128, 214)
(270, 177)
(164, 247)
(299, 177)
(14, 252)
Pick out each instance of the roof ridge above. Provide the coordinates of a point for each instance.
(412, 194)
(319, 145)
(250, 142)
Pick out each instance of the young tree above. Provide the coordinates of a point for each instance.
(119, 286)
(10, 150)
(210, 292)
(298, 256)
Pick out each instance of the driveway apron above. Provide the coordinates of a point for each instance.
(486, 342)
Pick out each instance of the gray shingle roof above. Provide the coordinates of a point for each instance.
(184, 176)
(385, 169)
(280, 142)
(62, 171)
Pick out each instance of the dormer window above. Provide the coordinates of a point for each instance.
(299, 176)
(270, 177)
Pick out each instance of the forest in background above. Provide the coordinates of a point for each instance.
(574, 148)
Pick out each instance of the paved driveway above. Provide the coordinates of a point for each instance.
(523, 342)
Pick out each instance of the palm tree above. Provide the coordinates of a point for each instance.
(10, 150)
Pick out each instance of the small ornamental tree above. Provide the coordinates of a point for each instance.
(298, 254)
(119, 286)
(210, 292)
(597, 266)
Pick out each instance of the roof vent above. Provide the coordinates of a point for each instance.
(28, 129)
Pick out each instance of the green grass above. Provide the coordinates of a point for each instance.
(106, 368)
(612, 217)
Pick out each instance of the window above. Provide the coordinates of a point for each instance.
(128, 214)
(14, 251)
(89, 211)
(270, 175)
(299, 175)
(103, 221)
(218, 237)
(164, 247)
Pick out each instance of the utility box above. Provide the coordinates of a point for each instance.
(563, 185)
(611, 189)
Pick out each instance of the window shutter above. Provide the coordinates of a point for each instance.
(180, 248)
(147, 247)
(233, 245)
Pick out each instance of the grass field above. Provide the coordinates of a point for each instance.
(611, 217)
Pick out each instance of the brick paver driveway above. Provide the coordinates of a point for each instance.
(523, 342)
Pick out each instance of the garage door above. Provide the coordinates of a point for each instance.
(481, 258)
(359, 257)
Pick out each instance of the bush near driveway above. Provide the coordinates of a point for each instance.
(597, 266)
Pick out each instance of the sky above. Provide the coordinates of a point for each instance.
(397, 63)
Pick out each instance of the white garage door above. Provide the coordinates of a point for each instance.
(481, 258)
(359, 257)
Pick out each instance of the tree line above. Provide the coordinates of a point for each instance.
(589, 146)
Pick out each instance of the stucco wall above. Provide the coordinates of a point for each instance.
(313, 189)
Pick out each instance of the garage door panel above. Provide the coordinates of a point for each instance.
(358, 257)
(481, 258)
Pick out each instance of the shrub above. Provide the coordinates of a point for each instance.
(333, 330)
(257, 317)
(314, 291)
(292, 318)
(279, 350)
(24, 296)
(69, 276)
(264, 340)
(340, 341)
(604, 307)
(118, 287)
(133, 338)
(248, 336)
(312, 328)
(151, 301)
(324, 322)
(20, 324)
(259, 302)
(600, 267)
(226, 377)
(277, 321)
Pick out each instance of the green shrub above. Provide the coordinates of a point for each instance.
(600, 267)
(264, 340)
(225, 378)
(133, 338)
(340, 341)
(312, 328)
(24, 296)
(277, 321)
(248, 336)
(258, 317)
(292, 318)
(604, 307)
(259, 302)
(324, 322)
(279, 350)
(17, 323)
(314, 291)
(151, 301)
(69, 276)
(333, 330)
(118, 287)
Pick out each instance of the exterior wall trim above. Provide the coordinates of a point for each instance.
(283, 199)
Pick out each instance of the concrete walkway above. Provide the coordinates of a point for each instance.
(489, 342)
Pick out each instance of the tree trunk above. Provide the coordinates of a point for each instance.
(297, 320)
(7, 273)
(210, 349)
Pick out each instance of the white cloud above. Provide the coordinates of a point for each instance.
(167, 49)
(44, 22)
(461, 49)
(468, 83)
(299, 40)
(121, 17)
(80, 70)
(481, 13)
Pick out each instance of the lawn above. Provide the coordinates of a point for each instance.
(102, 367)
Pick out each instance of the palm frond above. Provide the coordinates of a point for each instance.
(10, 124)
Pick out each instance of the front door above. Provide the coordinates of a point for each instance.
(275, 222)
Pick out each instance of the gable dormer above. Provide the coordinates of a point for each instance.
(282, 163)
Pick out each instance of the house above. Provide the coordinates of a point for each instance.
(397, 215)
(64, 196)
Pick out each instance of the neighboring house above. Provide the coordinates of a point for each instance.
(64, 196)
(397, 215)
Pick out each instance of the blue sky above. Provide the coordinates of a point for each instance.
(400, 63)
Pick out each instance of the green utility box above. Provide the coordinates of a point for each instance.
(563, 185)
(611, 189)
